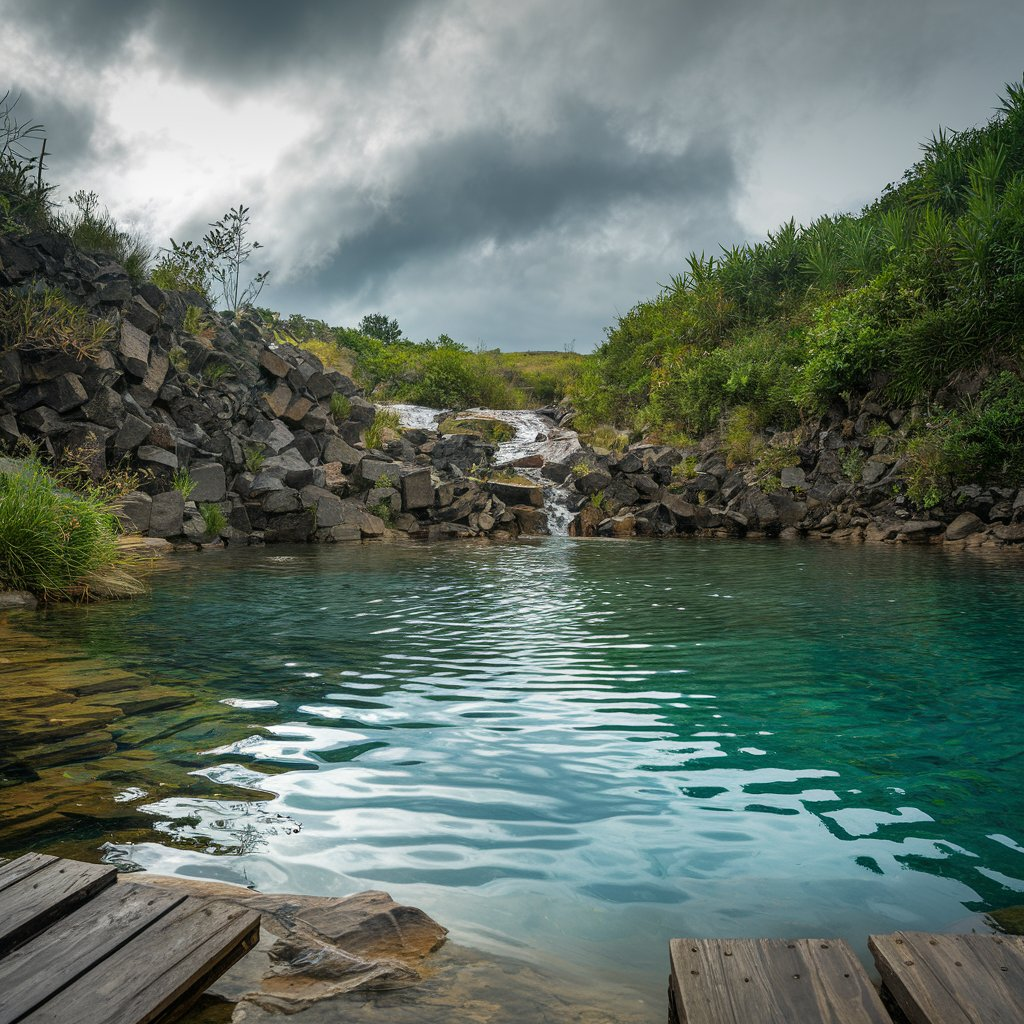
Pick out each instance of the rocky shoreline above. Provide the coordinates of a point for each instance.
(224, 415)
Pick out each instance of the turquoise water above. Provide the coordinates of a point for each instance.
(572, 751)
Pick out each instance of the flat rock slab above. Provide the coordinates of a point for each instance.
(771, 981)
(953, 979)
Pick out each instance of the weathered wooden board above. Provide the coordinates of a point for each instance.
(15, 870)
(953, 979)
(35, 901)
(47, 964)
(162, 969)
(771, 981)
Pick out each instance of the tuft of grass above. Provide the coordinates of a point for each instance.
(580, 469)
(93, 229)
(197, 324)
(742, 439)
(341, 407)
(254, 459)
(183, 483)
(42, 319)
(852, 461)
(213, 518)
(685, 470)
(178, 358)
(214, 372)
(386, 419)
(58, 544)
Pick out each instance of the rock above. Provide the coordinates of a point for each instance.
(354, 514)
(42, 420)
(150, 455)
(920, 531)
(84, 445)
(106, 407)
(963, 526)
(271, 435)
(293, 527)
(209, 480)
(65, 393)
(361, 411)
(873, 471)
(11, 599)
(586, 522)
(337, 450)
(278, 502)
(417, 490)
(319, 385)
(528, 462)
(327, 506)
(135, 512)
(134, 430)
(555, 471)
(593, 482)
(273, 403)
(133, 350)
(516, 494)
(618, 526)
(372, 471)
(793, 476)
(167, 514)
(531, 520)
(141, 314)
(1009, 534)
(272, 362)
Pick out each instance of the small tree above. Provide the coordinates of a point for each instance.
(229, 249)
(218, 259)
(377, 325)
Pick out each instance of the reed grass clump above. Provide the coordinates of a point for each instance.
(58, 544)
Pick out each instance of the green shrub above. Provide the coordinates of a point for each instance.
(383, 510)
(178, 358)
(55, 543)
(94, 230)
(254, 459)
(213, 518)
(742, 438)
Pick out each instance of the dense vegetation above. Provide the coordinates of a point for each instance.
(56, 542)
(443, 374)
(918, 301)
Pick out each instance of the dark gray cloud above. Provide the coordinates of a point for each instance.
(507, 173)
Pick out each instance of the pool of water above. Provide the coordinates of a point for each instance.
(571, 751)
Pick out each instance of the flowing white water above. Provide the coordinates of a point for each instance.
(534, 435)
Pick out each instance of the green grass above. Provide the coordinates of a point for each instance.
(183, 483)
(55, 543)
(385, 419)
(213, 518)
(341, 407)
(43, 319)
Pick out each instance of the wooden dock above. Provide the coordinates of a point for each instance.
(928, 979)
(76, 947)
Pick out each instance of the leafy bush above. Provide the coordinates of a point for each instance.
(55, 543)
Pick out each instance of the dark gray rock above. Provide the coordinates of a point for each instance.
(152, 457)
(327, 506)
(209, 480)
(293, 527)
(10, 373)
(133, 350)
(362, 411)
(134, 430)
(18, 599)
(964, 526)
(106, 407)
(417, 490)
(594, 481)
(284, 500)
(65, 393)
(141, 314)
(41, 420)
(135, 512)
(167, 514)
(337, 450)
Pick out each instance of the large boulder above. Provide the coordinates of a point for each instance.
(209, 480)
(516, 493)
(417, 490)
(167, 514)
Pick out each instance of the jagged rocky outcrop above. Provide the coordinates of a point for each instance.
(249, 419)
(841, 478)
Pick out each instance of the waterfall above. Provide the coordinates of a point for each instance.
(559, 444)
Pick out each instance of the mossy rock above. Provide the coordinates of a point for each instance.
(487, 429)
(1008, 919)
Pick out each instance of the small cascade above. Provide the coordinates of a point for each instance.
(534, 435)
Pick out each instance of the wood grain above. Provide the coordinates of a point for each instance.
(771, 981)
(953, 979)
(15, 870)
(35, 901)
(46, 965)
(159, 971)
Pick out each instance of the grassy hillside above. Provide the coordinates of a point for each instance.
(918, 301)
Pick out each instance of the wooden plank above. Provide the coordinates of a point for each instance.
(47, 964)
(771, 981)
(161, 970)
(15, 870)
(34, 902)
(953, 979)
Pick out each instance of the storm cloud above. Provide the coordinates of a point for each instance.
(509, 174)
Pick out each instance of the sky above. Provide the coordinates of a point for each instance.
(512, 173)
